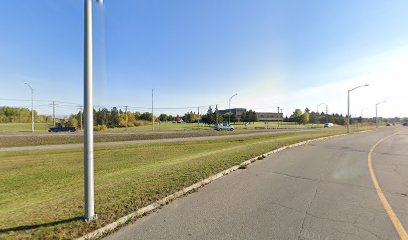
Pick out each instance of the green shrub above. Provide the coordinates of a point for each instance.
(100, 128)
(140, 123)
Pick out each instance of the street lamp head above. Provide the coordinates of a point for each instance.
(99, 1)
(365, 85)
(233, 96)
(29, 85)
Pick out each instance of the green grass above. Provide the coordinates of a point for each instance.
(52, 138)
(164, 126)
(23, 127)
(42, 127)
(41, 192)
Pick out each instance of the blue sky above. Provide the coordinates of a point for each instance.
(196, 53)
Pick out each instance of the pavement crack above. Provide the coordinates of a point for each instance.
(368, 231)
(284, 206)
(329, 219)
(307, 212)
(293, 176)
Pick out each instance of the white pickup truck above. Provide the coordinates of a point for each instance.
(224, 127)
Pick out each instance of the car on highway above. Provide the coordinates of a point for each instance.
(224, 127)
(328, 125)
(62, 129)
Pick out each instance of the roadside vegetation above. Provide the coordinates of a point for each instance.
(41, 192)
(115, 119)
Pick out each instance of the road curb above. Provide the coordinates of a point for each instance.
(164, 201)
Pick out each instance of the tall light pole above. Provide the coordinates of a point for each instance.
(88, 113)
(32, 105)
(319, 106)
(327, 113)
(229, 108)
(376, 113)
(216, 113)
(348, 105)
(126, 117)
(80, 114)
(53, 113)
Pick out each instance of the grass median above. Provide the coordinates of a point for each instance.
(41, 192)
(70, 138)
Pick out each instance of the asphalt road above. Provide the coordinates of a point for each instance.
(320, 191)
(160, 140)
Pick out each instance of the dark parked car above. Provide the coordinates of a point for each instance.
(62, 129)
(405, 124)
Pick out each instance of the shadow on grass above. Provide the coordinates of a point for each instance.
(30, 227)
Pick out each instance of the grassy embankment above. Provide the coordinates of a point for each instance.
(41, 192)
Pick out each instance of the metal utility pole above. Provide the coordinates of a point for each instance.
(32, 105)
(198, 119)
(376, 113)
(53, 112)
(348, 105)
(216, 113)
(126, 117)
(229, 108)
(88, 104)
(278, 116)
(152, 113)
(80, 113)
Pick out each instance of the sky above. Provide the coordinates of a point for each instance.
(286, 53)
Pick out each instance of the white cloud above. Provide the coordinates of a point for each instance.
(387, 75)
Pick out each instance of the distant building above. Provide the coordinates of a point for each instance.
(237, 111)
(262, 116)
(269, 116)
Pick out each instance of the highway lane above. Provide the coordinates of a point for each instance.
(320, 191)
(145, 141)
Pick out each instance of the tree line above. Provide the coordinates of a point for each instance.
(306, 116)
(113, 118)
(20, 115)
